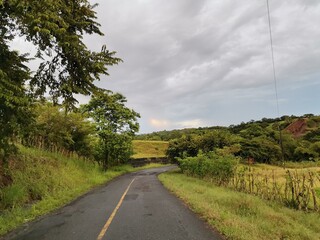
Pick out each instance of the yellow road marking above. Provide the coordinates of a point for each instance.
(106, 226)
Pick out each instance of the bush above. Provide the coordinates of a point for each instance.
(219, 169)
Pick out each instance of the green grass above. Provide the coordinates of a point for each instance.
(44, 181)
(239, 215)
(147, 149)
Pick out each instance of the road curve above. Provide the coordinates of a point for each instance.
(135, 207)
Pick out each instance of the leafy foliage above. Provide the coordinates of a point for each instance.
(54, 129)
(256, 140)
(13, 100)
(190, 145)
(217, 168)
(186, 145)
(56, 29)
(67, 67)
(115, 125)
(260, 148)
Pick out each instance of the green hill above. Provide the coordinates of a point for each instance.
(297, 140)
(147, 149)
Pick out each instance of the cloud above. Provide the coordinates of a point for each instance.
(192, 63)
(195, 123)
(159, 123)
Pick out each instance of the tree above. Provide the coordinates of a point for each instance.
(53, 129)
(261, 148)
(13, 100)
(68, 67)
(56, 29)
(186, 146)
(116, 125)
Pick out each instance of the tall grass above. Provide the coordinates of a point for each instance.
(146, 149)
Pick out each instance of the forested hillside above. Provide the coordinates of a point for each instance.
(258, 140)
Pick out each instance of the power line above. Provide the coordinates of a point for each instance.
(275, 79)
(272, 56)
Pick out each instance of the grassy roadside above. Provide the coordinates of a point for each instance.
(43, 182)
(146, 149)
(239, 215)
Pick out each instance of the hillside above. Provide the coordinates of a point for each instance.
(296, 125)
(302, 126)
(261, 141)
(147, 149)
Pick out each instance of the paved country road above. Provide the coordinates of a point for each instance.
(135, 206)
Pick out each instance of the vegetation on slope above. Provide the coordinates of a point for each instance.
(259, 141)
(311, 123)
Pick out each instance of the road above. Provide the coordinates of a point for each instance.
(134, 206)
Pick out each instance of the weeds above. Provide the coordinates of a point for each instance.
(297, 191)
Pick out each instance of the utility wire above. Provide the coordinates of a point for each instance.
(275, 79)
(272, 56)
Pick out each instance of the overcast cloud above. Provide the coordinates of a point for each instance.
(199, 63)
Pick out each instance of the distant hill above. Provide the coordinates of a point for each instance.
(298, 126)
(258, 140)
(304, 127)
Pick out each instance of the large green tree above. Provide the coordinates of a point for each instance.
(13, 100)
(56, 28)
(116, 125)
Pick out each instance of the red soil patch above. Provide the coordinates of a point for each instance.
(298, 127)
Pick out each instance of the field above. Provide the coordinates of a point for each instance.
(280, 173)
(147, 149)
(239, 215)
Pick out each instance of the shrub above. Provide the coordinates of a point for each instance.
(219, 169)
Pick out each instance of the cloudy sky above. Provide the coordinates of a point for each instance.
(199, 63)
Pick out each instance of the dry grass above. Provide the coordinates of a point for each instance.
(147, 149)
(297, 188)
(279, 173)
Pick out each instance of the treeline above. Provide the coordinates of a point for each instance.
(174, 134)
(258, 141)
(102, 129)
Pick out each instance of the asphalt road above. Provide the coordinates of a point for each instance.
(135, 206)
